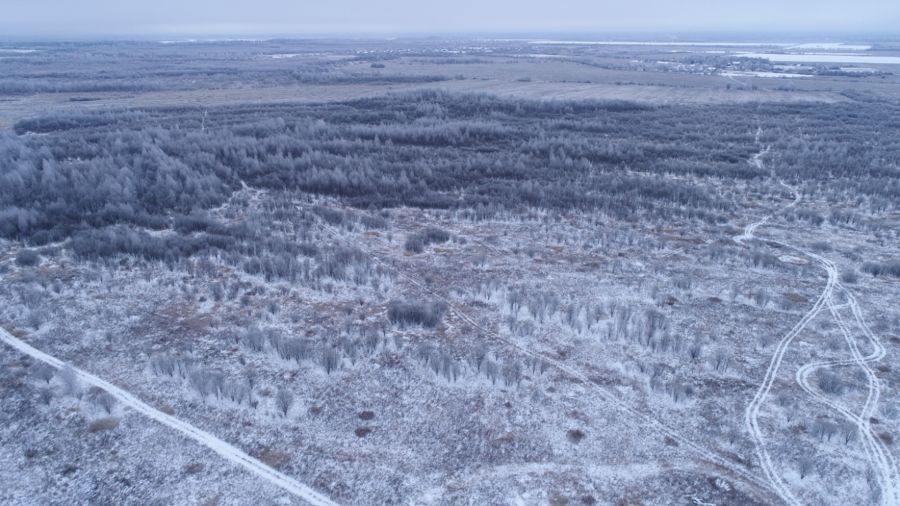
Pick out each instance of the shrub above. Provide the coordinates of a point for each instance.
(434, 235)
(821, 246)
(283, 401)
(344, 264)
(330, 360)
(294, 349)
(43, 372)
(333, 217)
(416, 313)
(373, 222)
(254, 340)
(106, 401)
(27, 258)
(890, 268)
(849, 277)
(830, 383)
(274, 458)
(69, 379)
(575, 435)
(416, 243)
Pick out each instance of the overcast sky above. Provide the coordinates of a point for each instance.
(124, 18)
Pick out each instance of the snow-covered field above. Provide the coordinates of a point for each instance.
(383, 300)
(751, 73)
(386, 427)
(824, 58)
(830, 46)
(656, 43)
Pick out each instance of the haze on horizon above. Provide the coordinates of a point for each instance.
(207, 18)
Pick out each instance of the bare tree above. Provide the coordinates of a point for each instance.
(733, 436)
(69, 380)
(44, 372)
(805, 465)
(491, 370)
(235, 392)
(331, 360)
(283, 401)
(695, 350)
(512, 374)
(250, 375)
(720, 361)
(106, 401)
(45, 395)
(830, 383)
(848, 432)
(254, 339)
(207, 383)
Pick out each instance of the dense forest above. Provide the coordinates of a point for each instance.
(68, 175)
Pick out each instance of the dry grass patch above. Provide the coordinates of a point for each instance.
(103, 424)
(575, 435)
(274, 458)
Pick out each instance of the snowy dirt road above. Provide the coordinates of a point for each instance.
(224, 449)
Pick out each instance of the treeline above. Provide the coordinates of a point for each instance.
(142, 83)
(855, 148)
(136, 67)
(889, 268)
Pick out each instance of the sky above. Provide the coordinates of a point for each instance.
(301, 18)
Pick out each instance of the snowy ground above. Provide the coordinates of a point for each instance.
(650, 343)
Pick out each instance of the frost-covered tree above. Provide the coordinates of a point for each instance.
(69, 379)
(283, 401)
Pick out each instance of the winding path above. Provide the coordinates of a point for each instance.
(877, 453)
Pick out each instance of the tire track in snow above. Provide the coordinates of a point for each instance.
(889, 472)
(751, 415)
(877, 453)
(224, 449)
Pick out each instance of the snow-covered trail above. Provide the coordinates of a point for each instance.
(224, 449)
(751, 416)
(888, 471)
(893, 475)
(877, 453)
(749, 231)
